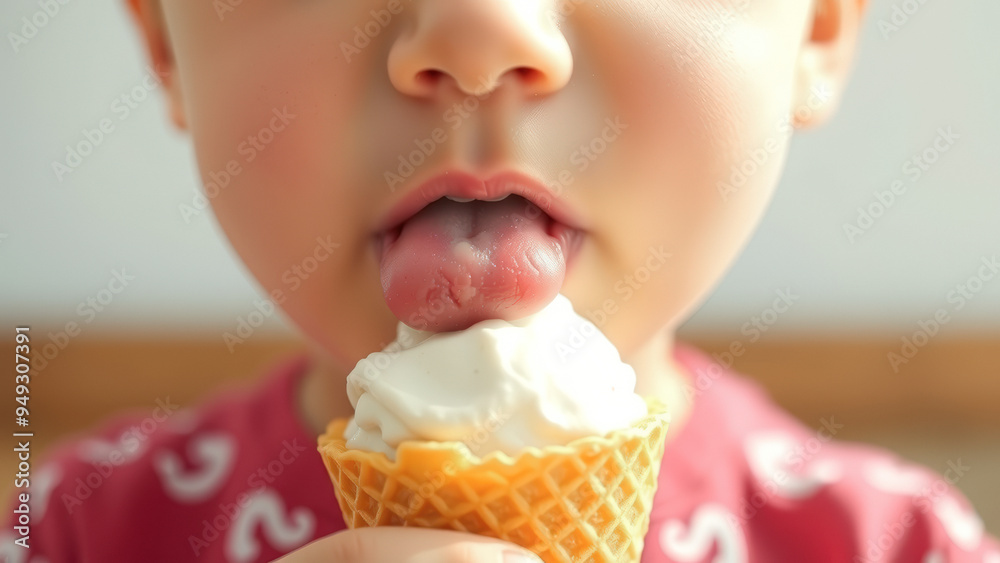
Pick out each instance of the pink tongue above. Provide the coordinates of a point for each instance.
(455, 264)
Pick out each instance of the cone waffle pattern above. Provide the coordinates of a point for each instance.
(588, 501)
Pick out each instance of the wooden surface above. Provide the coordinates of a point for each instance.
(941, 405)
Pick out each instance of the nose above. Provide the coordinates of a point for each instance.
(474, 43)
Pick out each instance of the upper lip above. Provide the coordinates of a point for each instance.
(461, 184)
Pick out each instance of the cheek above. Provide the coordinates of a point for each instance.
(269, 106)
(274, 117)
(708, 107)
(704, 103)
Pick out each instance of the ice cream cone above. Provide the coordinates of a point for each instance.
(586, 501)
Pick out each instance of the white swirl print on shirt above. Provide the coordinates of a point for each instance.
(44, 482)
(933, 557)
(183, 421)
(896, 478)
(283, 530)
(9, 551)
(964, 527)
(13, 553)
(769, 456)
(711, 525)
(98, 450)
(213, 454)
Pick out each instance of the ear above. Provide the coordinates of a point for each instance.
(148, 17)
(825, 59)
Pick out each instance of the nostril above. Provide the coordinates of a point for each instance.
(525, 71)
(528, 76)
(429, 77)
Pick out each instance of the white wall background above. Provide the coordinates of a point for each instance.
(61, 240)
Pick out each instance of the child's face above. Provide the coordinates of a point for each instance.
(666, 141)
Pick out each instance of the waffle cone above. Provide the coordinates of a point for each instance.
(587, 501)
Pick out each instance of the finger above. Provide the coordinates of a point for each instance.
(390, 544)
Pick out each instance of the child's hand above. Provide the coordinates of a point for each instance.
(408, 545)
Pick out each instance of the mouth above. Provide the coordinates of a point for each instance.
(459, 249)
(463, 187)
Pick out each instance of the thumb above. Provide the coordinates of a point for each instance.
(392, 544)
